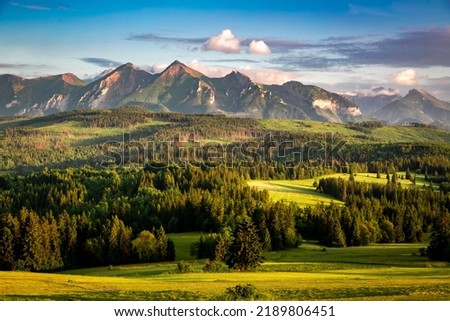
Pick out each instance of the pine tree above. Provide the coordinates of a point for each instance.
(246, 250)
(118, 238)
(171, 255)
(223, 243)
(67, 227)
(439, 248)
(7, 257)
(33, 253)
(408, 174)
(162, 239)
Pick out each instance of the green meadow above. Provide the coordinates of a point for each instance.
(304, 193)
(310, 272)
(301, 191)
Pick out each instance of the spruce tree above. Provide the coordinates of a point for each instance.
(246, 250)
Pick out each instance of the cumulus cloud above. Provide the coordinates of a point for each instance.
(210, 71)
(157, 68)
(259, 48)
(406, 77)
(226, 42)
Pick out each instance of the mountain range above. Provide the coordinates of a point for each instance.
(176, 89)
(418, 106)
(182, 89)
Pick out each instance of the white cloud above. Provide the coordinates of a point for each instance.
(406, 77)
(259, 48)
(374, 91)
(210, 71)
(226, 42)
(269, 76)
(157, 68)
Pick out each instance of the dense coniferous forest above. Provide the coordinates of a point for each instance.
(62, 206)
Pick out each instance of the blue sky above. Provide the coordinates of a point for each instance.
(339, 45)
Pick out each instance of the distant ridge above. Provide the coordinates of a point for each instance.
(417, 106)
(178, 88)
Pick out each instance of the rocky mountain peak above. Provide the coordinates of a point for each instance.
(73, 80)
(239, 78)
(176, 69)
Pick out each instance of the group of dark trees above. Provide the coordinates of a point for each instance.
(83, 217)
(56, 219)
(384, 213)
(45, 243)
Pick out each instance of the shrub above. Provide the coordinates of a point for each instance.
(184, 267)
(214, 267)
(245, 292)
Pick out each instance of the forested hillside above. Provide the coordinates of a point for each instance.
(91, 188)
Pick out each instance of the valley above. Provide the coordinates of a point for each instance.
(356, 222)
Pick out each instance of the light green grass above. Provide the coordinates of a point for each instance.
(182, 242)
(309, 126)
(387, 134)
(304, 193)
(410, 134)
(378, 272)
(300, 191)
(76, 132)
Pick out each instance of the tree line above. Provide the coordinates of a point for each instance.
(93, 217)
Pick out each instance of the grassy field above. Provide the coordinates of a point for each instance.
(300, 191)
(388, 134)
(310, 272)
(183, 243)
(304, 193)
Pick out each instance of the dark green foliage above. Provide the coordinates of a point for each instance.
(246, 292)
(387, 232)
(205, 248)
(87, 217)
(7, 257)
(146, 247)
(373, 213)
(214, 267)
(439, 248)
(162, 241)
(118, 243)
(184, 267)
(171, 254)
(99, 213)
(245, 251)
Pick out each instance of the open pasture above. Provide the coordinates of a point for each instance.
(310, 272)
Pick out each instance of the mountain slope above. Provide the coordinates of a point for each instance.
(317, 103)
(416, 106)
(38, 96)
(181, 89)
(177, 89)
(109, 90)
(372, 100)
